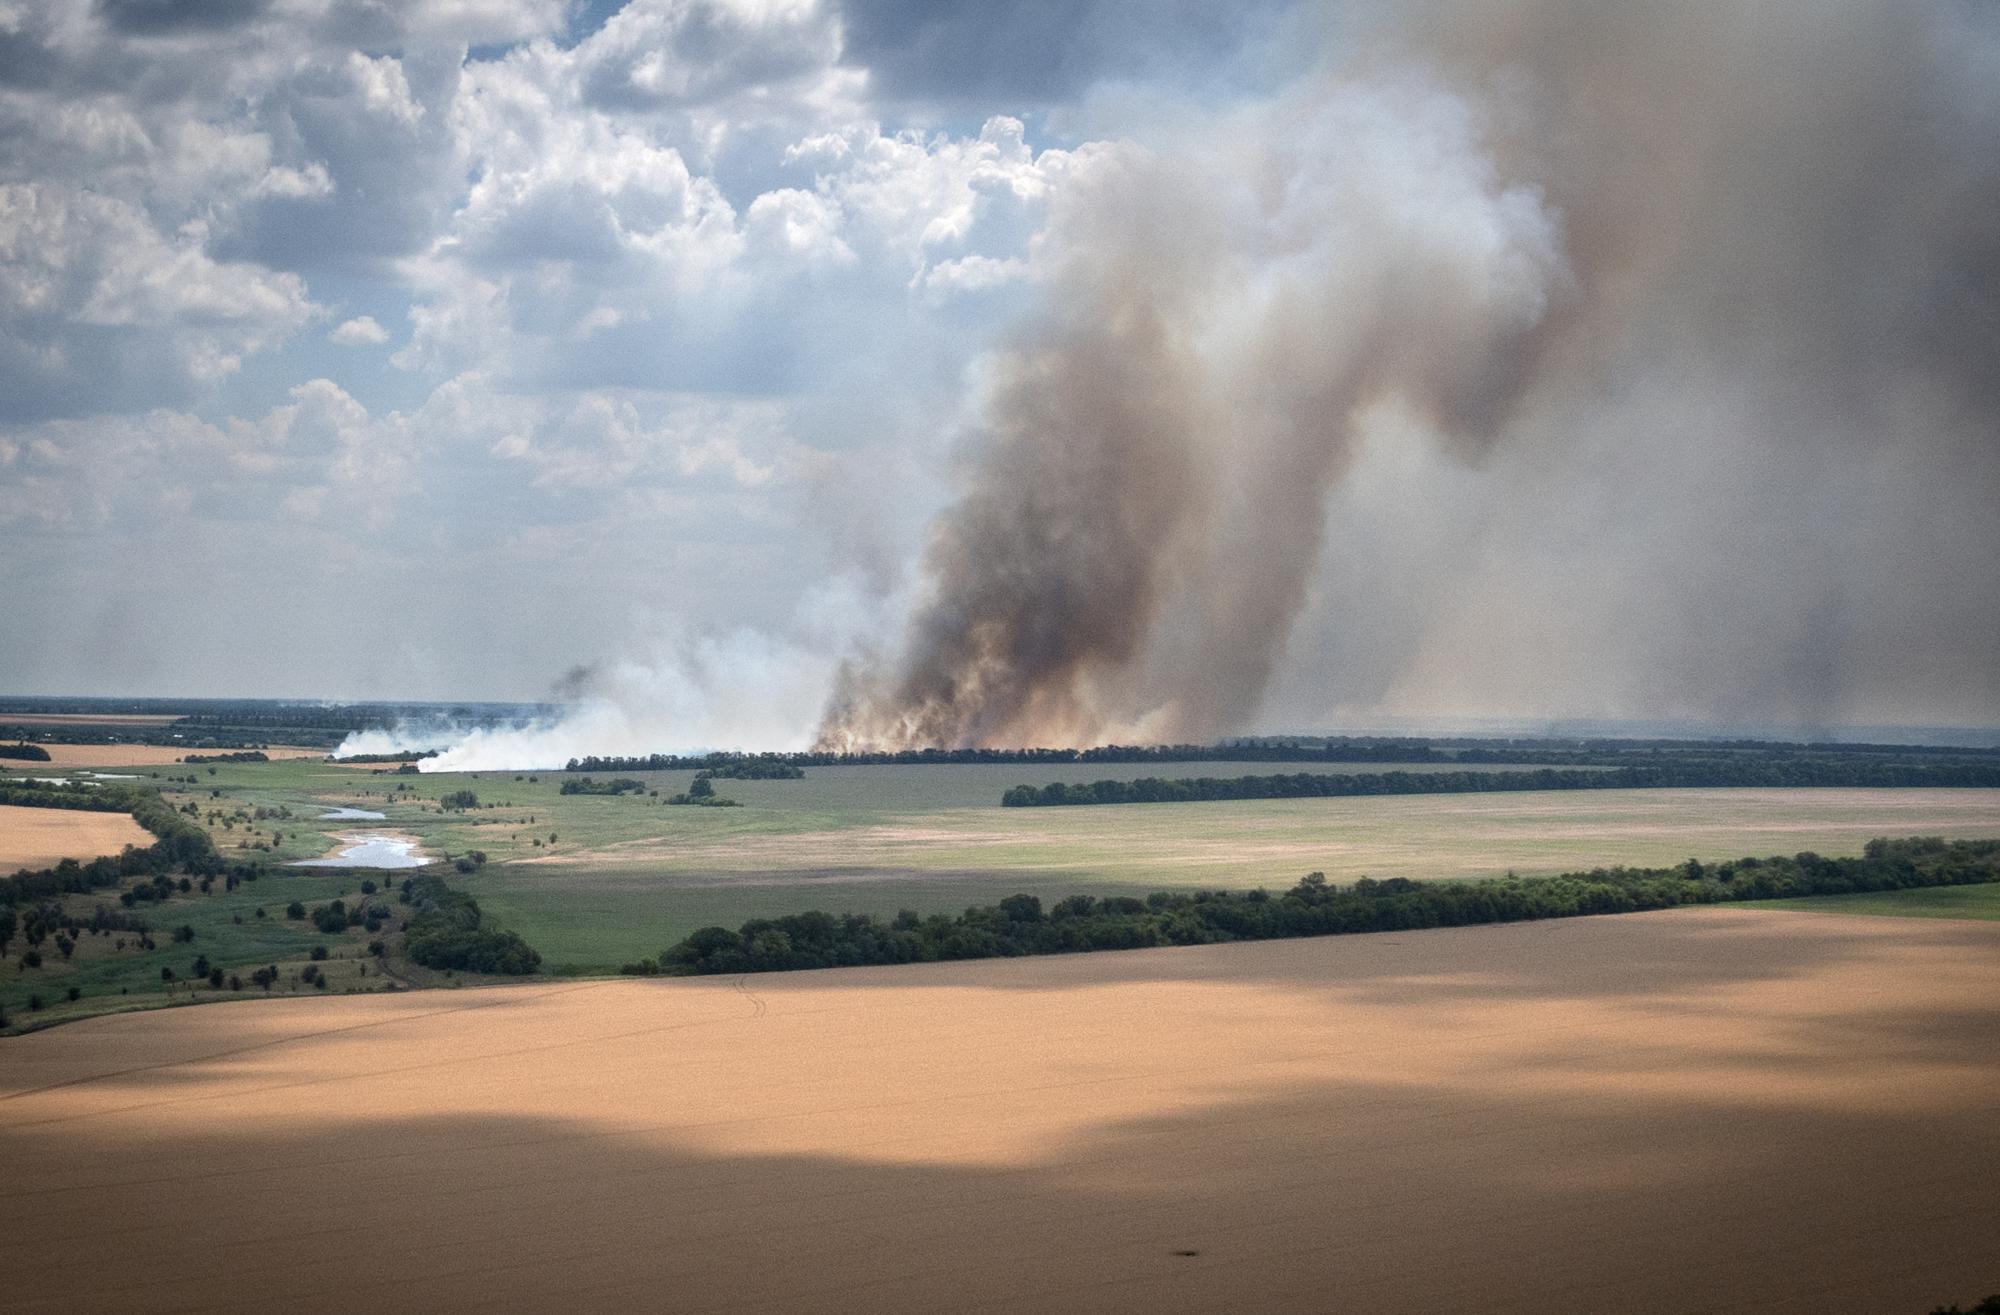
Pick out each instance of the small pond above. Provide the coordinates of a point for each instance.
(366, 850)
(352, 815)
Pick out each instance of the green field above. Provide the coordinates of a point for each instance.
(1982, 902)
(623, 877)
(110, 978)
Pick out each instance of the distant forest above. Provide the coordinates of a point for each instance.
(1020, 925)
(1400, 750)
(1788, 772)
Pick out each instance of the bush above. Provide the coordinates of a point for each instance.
(296, 911)
(318, 952)
(447, 932)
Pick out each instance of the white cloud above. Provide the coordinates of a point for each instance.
(360, 331)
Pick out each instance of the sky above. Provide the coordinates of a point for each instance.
(764, 371)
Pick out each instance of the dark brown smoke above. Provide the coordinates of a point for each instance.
(1564, 235)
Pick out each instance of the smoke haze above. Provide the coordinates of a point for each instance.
(1708, 299)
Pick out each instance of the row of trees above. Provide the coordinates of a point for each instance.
(24, 752)
(591, 785)
(755, 769)
(1363, 749)
(1783, 772)
(1019, 925)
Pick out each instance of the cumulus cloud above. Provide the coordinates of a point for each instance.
(708, 302)
(360, 331)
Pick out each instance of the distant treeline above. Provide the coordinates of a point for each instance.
(182, 845)
(408, 757)
(447, 931)
(754, 769)
(591, 785)
(1535, 753)
(24, 752)
(1019, 925)
(245, 756)
(1782, 772)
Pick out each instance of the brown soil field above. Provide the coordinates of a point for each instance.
(42, 837)
(1698, 1110)
(135, 755)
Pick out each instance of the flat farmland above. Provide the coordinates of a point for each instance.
(597, 905)
(135, 755)
(42, 837)
(1698, 1110)
(594, 882)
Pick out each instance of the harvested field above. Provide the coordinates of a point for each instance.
(1700, 1110)
(43, 837)
(137, 755)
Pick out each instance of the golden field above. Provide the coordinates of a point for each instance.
(1699, 1110)
(42, 837)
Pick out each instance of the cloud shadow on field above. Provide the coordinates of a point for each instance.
(1347, 1198)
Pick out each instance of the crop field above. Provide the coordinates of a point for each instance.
(1668, 1112)
(42, 837)
(133, 755)
(1950, 902)
(624, 877)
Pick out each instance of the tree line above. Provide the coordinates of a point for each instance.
(1019, 925)
(591, 785)
(1364, 749)
(1778, 772)
(24, 752)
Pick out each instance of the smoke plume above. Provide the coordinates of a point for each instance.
(1741, 259)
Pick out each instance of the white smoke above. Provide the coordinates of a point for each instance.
(403, 737)
(742, 689)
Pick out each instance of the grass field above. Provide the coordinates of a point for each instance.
(1982, 902)
(1700, 1110)
(42, 837)
(227, 931)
